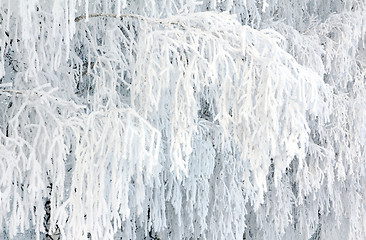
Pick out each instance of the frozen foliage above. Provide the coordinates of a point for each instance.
(182, 119)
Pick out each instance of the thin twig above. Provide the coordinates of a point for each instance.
(10, 91)
(79, 18)
(132, 16)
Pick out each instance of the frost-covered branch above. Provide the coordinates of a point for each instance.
(182, 119)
